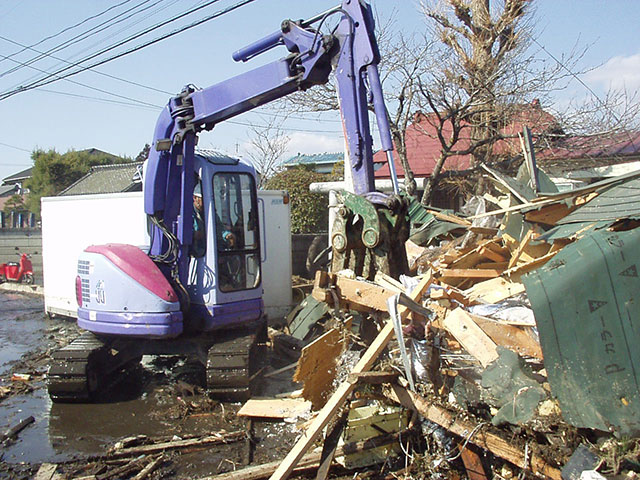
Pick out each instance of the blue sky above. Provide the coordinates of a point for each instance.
(60, 116)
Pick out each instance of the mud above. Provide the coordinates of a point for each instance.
(159, 400)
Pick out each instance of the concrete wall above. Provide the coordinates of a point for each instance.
(27, 241)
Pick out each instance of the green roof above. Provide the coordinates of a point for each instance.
(123, 177)
(315, 158)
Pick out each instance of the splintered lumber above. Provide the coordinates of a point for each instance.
(550, 214)
(508, 450)
(447, 217)
(460, 324)
(317, 366)
(373, 378)
(520, 270)
(509, 336)
(149, 467)
(308, 461)
(491, 255)
(472, 464)
(470, 273)
(345, 389)
(274, 408)
(46, 471)
(494, 290)
(17, 428)
(217, 439)
(518, 251)
(354, 294)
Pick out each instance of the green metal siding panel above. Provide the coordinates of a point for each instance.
(586, 306)
(620, 201)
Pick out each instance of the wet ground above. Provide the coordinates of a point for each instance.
(157, 399)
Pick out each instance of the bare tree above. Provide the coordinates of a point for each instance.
(267, 144)
(488, 75)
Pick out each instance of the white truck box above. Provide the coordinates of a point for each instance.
(72, 223)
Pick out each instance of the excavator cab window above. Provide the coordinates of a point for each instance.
(237, 238)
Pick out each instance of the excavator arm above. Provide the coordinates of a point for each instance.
(350, 51)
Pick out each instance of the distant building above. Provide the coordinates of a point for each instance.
(320, 162)
(121, 177)
(11, 186)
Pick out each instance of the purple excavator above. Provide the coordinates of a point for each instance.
(197, 290)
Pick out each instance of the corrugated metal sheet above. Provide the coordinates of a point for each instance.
(620, 201)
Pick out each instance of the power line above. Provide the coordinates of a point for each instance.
(13, 146)
(56, 74)
(91, 87)
(87, 33)
(68, 28)
(75, 64)
(98, 99)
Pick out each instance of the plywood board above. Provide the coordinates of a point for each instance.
(494, 290)
(317, 366)
(460, 324)
(275, 408)
(509, 336)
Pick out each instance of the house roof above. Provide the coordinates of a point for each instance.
(16, 177)
(122, 177)
(318, 158)
(590, 151)
(423, 146)
(7, 190)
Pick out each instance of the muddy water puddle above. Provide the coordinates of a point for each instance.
(152, 400)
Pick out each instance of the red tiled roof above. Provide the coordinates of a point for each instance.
(423, 146)
(620, 144)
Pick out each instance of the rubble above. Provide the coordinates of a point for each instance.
(492, 346)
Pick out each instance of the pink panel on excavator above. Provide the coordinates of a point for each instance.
(135, 263)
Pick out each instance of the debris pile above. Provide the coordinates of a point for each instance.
(511, 350)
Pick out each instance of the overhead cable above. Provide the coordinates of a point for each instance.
(87, 33)
(57, 74)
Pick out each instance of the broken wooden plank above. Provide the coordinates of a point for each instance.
(317, 366)
(491, 255)
(148, 469)
(494, 290)
(354, 294)
(518, 251)
(460, 324)
(509, 336)
(470, 273)
(550, 214)
(222, 437)
(17, 428)
(274, 408)
(508, 450)
(344, 390)
(472, 464)
(46, 471)
(447, 217)
(520, 270)
(373, 378)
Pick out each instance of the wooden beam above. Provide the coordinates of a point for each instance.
(518, 251)
(470, 273)
(460, 324)
(491, 255)
(344, 390)
(508, 450)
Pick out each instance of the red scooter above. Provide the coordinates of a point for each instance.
(19, 272)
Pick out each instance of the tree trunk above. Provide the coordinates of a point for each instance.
(429, 188)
